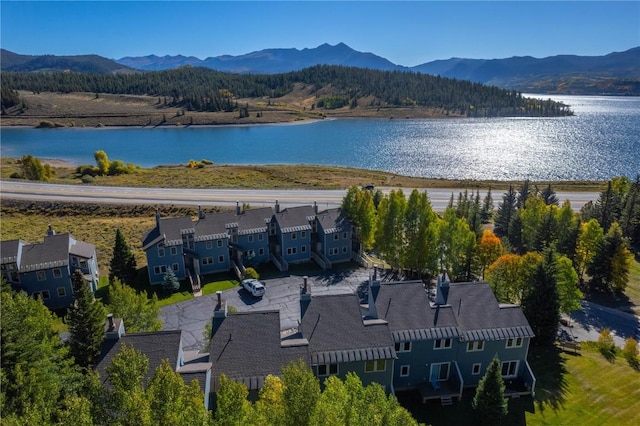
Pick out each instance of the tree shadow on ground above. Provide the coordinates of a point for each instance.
(549, 368)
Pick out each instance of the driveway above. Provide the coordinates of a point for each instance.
(283, 294)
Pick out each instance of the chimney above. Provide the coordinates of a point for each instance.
(220, 310)
(277, 207)
(315, 207)
(442, 288)
(238, 210)
(114, 328)
(200, 213)
(375, 272)
(157, 218)
(372, 313)
(305, 297)
(50, 230)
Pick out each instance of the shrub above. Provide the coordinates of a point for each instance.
(630, 352)
(251, 273)
(87, 179)
(45, 124)
(207, 162)
(606, 346)
(15, 175)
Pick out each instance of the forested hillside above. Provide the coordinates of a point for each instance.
(200, 89)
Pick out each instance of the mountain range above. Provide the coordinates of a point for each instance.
(614, 73)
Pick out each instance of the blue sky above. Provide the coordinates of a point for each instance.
(407, 33)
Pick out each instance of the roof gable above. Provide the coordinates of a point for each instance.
(332, 220)
(254, 220)
(295, 218)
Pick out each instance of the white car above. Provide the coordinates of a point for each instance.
(253, 286)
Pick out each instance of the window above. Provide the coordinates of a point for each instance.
(260, 237)
(439, 372)
(303, 234)
(509, 368)
(475, 346)
(291, 250)
(207, 260)
(221, 259)
(514, 343)
(209, 245)
(344, 235)
(344, 249)
(250, 238)
(327, 369)
(57, 273)
(403, 347)
(160, 269)
(219, 243)
(377, 365)
(475, 369)
(303, 249)
(442, 344)
(62, 292)
(261, 251)
(160, 251)
(336, 236)
(174, 251)
(294, 235)
(45, 295)
(83, 264)
(41, 275)
(175, 267)
(404, 371)
(74, 261)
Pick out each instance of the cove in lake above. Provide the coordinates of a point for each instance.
(601, 141)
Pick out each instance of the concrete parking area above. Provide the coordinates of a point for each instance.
(283, 294)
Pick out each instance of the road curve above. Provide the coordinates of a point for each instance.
(326, 198)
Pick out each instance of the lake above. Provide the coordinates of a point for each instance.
(601, 141)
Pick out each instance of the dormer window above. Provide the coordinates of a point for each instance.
(442, 344)
(514, 342)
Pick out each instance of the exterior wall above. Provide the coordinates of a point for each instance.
(384, 378)
(418, 364)
(87, 267)
(159, 255)
(253, 242)
(296, 249)
(60, 292)
(337, 250)
(214, 255)
(466, 359)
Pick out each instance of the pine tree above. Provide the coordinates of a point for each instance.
(487, 208)
(549, 196)
(123, 262)
(506, 210)
(541, 302)
(610, 267)
(170, 283)
(523, 195)
(86, 323)
(489, 402)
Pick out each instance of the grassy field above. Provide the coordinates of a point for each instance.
(277, 176)
(570, 390)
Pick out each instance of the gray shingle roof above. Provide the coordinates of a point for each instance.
(252, 221)
(332, 220)
(295, 218)
(406, 307)
(9, 251)
(246, 347)
(82, 249)
(335, 330)
(479, 314)
(53, 252)
(211, 227)
(155, 345)
(472, 313)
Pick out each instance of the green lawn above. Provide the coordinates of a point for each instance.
(570, 390)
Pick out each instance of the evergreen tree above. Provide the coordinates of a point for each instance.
(506, 210)
(549, 196)
(630, 217)
(609, 205)
(86, 320)
(540, 301)
(170, 283)
(123, 262)
(489, 402)
(523, 194)
(487, 208)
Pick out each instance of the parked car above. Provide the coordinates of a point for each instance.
(253, 286)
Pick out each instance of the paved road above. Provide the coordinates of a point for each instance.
(592, 319)
(439, 197)
(283, 294)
